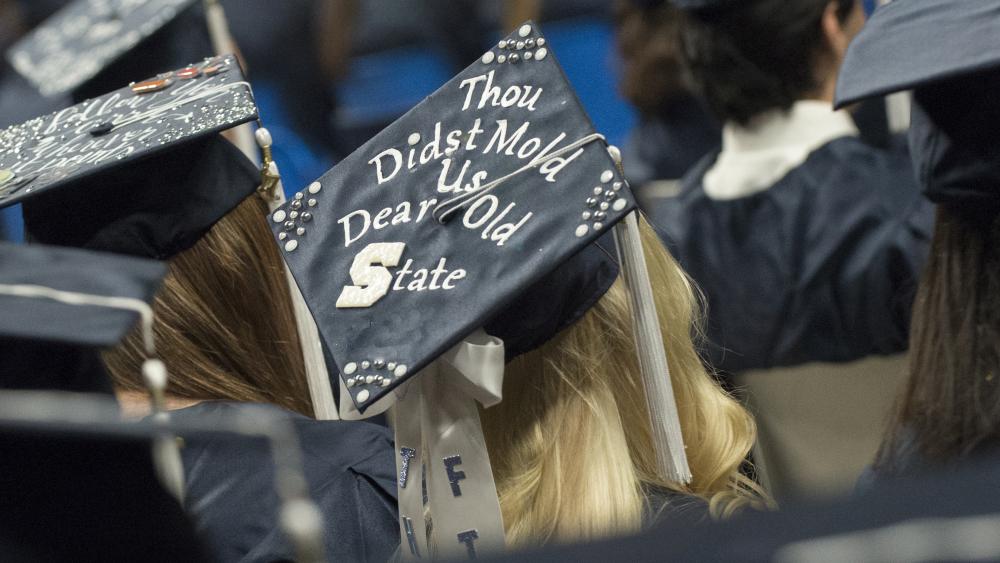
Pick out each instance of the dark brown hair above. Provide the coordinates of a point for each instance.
(225, 325)
(649, 41)
(951, 404)
(756, 56)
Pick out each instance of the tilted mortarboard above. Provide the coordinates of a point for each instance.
(60, 307)
(139, 171)
(92, 46)
(486, 205)
(74, 472)
(50, 344)
(945, 51)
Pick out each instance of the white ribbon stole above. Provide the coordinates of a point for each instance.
(440, 445)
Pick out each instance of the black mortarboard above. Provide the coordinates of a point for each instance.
(373, 220)
(74, 494)
(138, 171)
(944, 51)
(59, 309)
(72, 271)
(908, 44)
(92, 46)
(49, 489)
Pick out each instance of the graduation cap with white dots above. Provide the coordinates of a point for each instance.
(488, 205)
(140, 170)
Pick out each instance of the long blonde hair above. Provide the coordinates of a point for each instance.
(571, 443)
(225, 325)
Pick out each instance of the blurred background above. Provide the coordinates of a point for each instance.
(329, 74)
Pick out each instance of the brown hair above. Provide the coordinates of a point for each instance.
(225, 325)
(951, 403)
(649, 41)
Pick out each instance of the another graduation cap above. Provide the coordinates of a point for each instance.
(74, 493)
(917, 43)
(436, 224)
(138, 171)
(49, 488)
(92, 46)
(60, 307)
(486, 205)
(944, 51)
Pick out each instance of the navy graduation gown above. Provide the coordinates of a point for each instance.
(351, 473)
(820, 267)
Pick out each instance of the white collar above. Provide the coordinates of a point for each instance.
(755, 157)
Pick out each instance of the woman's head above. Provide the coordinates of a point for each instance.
(649, 40)
(760, 55)
(224, 321)
(571, 442)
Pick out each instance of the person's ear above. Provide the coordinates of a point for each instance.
(838, 30)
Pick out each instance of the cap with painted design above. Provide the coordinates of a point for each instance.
(92, 46)
(494, 191)
(140, 170)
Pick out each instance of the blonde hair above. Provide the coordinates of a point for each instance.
(225, 325)
(571, 443)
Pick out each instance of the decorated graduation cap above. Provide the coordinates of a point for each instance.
(488, 205)
(944, 52)
(92, 46)
(60, 306)
(139, 171)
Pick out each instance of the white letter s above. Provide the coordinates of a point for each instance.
(370, 277)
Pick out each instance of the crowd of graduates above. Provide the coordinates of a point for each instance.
(771, 331)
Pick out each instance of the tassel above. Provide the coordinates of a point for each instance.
(317, 375)
(671, 458)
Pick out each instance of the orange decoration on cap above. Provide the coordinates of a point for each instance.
(188, 73)
(214, 69)
(151, 86)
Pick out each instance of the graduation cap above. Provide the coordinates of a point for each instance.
(918, 43)
(87, 493)
(91, 46)
(60, 307)
(138, 171)
(943, 51)
(486, 205)
(74, 471)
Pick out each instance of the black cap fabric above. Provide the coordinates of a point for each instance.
(391, 287)
(76, 271)
(695, 5)
(87, 46)
(71, 494)
(945, 51)
(907, 44)
(143, 174)
(50, 344)
(953, 134)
